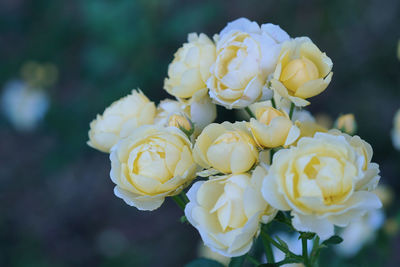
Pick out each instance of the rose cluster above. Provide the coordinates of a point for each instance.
(279, 160)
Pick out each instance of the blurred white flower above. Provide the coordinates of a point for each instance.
(360, 232)
(363, 230)
(24, 106)
(396, 130)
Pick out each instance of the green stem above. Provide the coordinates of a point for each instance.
(315, 251)
(279, 246)
(271, 154)
(249, 112)
(305, 251)
(291, 111)
(273, 102)
(268, 250)
(178, 200)
(184, 197)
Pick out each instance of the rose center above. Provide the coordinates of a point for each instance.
(265, 115)
(150, 162)
(297, 72)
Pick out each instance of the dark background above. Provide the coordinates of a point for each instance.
(57, 206)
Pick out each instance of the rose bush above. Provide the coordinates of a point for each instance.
(272, 127)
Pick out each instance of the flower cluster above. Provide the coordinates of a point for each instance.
(279, 161)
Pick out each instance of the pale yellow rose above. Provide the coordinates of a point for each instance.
(120, 119)
(226, 147)
(326, 180)
(272, 127)
(150, 164)
(246, 55)
(303, 71)
(227, 211)
(346, 123)
(190, 69)
(181, 122)
(168, 108)
(396, 130)
(199, 109)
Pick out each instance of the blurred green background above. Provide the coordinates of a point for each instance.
(57, 206)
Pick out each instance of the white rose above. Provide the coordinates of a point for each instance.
(190, 69)
(246, 55)
(24, 106)
(226, 147)
(150, 164)
(325, 181)
(120, 119)
(227, 211)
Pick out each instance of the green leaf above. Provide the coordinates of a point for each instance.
(333, 240)
(306, 235)
(202, 262)
(237, 261)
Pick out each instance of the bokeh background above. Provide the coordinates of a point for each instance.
(57, 206)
